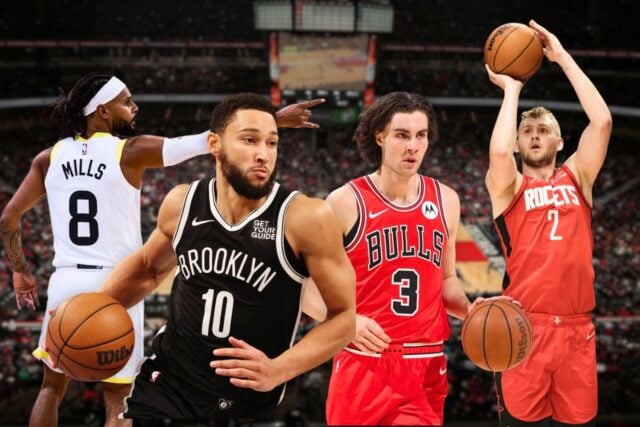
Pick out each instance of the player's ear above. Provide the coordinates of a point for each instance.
(516, 148)
(379, 138)
(102, 112)
(214, 143)
(560, 144)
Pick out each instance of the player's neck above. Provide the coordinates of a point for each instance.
(233, 207)
(399, 189)
(94, 127)
(544, 173)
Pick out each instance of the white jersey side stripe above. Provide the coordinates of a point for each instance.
(280, 238)
(184, 214)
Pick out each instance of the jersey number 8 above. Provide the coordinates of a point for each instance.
(87, 216)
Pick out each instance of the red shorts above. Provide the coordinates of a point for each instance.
(405, 385)
(559, 377)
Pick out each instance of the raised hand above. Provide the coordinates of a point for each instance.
(502, 80)
(552, 47)
(298, 115)
(247, 367)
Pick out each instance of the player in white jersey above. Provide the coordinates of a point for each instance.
(92, 180)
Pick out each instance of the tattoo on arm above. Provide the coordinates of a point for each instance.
(12, 240)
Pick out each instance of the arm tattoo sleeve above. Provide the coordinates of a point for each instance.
(12, 240)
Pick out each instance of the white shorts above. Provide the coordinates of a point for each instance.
(67, 282)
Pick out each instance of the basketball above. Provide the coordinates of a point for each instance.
(496, 335)
(513, 49)
(90, 337)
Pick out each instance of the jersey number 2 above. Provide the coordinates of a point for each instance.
(409, 283)
(88, 218)
(554, 216)
(218, 309)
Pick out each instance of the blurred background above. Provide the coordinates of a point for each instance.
(179, 58)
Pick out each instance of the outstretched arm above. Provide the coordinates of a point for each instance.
(142, 271)
(30, 191)
(592, 148)
(148, 151)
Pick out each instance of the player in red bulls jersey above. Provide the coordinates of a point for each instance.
(400, 229)
(543, 219)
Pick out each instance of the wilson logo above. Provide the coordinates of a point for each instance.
(113, 356)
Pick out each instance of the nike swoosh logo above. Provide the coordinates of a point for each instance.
(590, 335)
(196, 223)
(377, 214)
(442, 371)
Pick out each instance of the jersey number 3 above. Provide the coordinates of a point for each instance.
(408, 282)
(83, 208)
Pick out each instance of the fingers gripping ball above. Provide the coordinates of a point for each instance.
(496, 335)
(514, 49)
(90, 337)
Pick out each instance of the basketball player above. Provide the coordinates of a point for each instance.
(92, 179)
(543, 219)
(400, 229)
(243, 246)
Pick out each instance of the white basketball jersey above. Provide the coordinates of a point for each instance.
(95, 211)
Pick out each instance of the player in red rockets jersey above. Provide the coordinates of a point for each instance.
(400, 229)
(543, 219)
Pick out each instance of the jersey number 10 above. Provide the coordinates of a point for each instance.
(218, 308)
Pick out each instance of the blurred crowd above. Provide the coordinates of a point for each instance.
(316, 167)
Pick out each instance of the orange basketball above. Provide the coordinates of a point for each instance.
(496, 335)
(513, 49)
(90, 337)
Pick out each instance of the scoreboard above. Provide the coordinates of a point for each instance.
(334, 98)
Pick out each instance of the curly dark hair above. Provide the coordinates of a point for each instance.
(376, 118)
(65, 114)
(223, 112)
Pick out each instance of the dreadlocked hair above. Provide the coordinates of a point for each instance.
(65, 114)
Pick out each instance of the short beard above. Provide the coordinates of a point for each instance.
(122, 127)
(240, 184)
(546, 160)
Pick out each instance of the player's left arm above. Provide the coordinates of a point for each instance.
(588, 159)
(455, 300)
(315, 234)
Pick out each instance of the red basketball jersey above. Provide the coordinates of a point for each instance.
(397, 253)
(546, 239)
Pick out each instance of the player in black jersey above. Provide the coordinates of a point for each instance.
(243, 246)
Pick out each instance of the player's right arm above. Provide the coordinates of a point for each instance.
(148, 151)
(142, 271)
(503, 178)
(30, 191)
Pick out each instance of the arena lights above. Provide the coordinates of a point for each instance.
(343, 16)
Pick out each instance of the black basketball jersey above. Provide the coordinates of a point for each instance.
(239, 280)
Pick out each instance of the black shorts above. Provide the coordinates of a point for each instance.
(157, 395)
